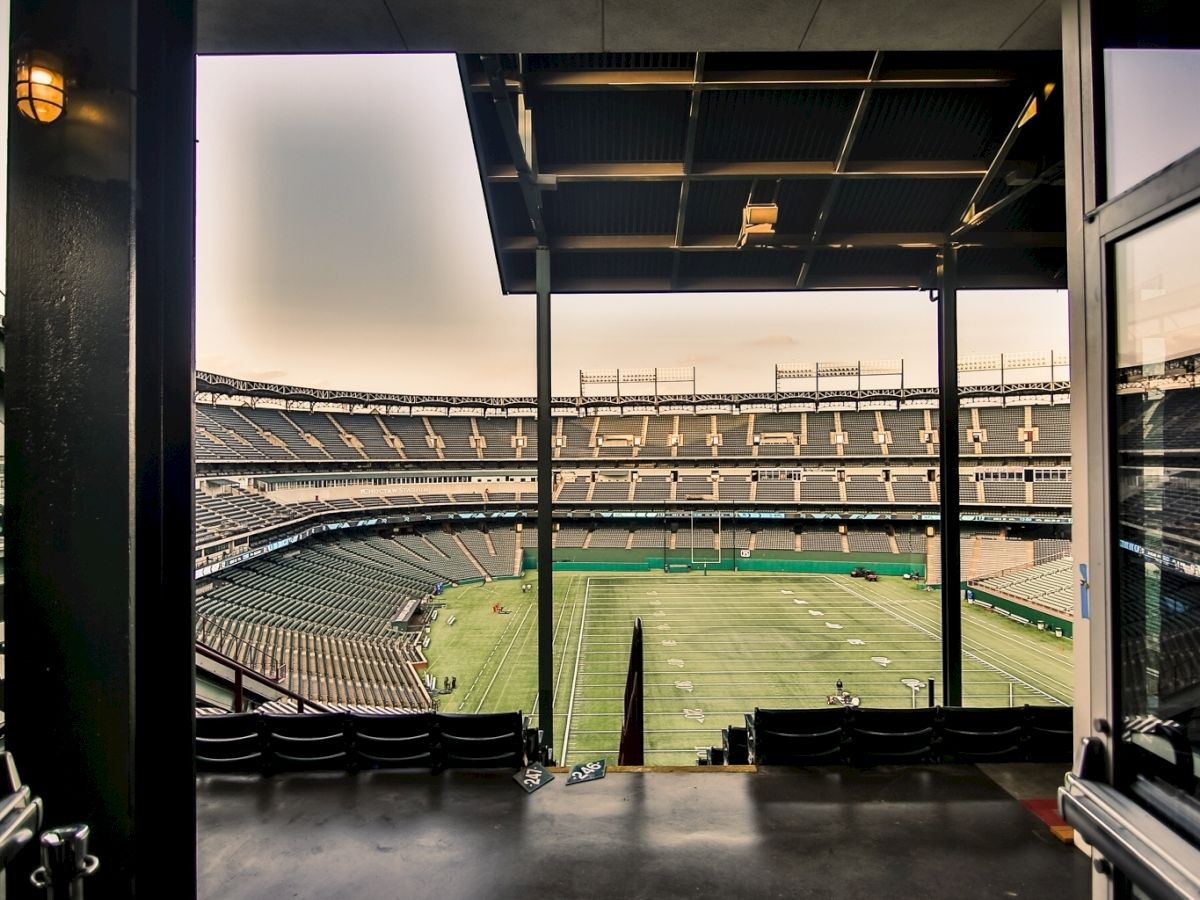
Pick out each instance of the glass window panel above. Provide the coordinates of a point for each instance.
(1157, 418)
(1150, 99)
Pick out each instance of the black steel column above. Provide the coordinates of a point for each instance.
(545, 504)
(948, 441)
(98, 512)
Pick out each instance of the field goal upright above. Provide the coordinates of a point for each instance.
(705, 559)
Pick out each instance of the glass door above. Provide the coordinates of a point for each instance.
(1154, 283)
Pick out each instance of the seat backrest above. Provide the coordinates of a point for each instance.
(797, 737)
(891, 735)
(733, 743)
(481, 740)
(306, 741)
(1048, 731)
(228, 743)
(982, 733)
(397, 741)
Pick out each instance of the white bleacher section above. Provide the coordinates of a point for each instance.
(980, 555)
(1050, 585)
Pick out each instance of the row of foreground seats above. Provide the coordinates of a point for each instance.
(258, 742)
(835, 735)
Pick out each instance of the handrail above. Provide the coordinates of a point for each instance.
(632, 750)
(241, 672)
(1149, 853)
(270, 668)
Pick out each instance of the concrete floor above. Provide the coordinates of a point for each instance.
(919, 832)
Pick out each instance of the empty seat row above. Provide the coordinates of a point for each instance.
(266, 743)
(840, 734)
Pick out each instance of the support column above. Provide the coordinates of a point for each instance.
(545, 504)
(99, 384)
(948, 441)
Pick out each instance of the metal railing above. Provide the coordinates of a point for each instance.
(210, 633)
(242, 673)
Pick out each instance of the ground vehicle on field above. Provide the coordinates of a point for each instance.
(858, 572)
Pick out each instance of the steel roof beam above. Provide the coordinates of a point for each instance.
(787, 169)
(1049, 175)
(1028, 113)
(839, 166)
(689, 153)
(710, 243)
(512, 138)
(897, 282)
(682, 80)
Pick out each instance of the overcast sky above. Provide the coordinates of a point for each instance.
(342, 241)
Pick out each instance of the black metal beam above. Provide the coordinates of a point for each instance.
(839, 167)
(726, 243)
(741, 170)
(1028, 111)
(867, 282)
(512, 139)
(689, 153)
(1050, 175)
(100, 652)
(833, 79)
(545, 505)
(948, 446)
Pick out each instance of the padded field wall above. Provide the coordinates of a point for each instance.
(1028, 612)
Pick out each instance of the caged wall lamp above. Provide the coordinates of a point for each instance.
(40, 82)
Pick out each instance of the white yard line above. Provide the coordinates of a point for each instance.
(500, 665)
(977, 659)
(575, 677)
(996, 654)
(535, 718)
(562, 662)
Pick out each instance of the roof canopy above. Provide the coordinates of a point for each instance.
(636, 168)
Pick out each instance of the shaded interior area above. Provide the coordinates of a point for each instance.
(912, 831)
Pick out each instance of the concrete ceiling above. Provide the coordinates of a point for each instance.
(564, 26)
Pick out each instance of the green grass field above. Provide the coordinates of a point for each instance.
(717, 646)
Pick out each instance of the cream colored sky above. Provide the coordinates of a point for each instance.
(342, 241)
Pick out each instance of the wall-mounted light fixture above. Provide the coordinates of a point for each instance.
(41, 85)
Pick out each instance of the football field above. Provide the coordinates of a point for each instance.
(718, 645)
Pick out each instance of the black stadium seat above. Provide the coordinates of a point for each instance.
(983, 734)
(796, 737)
(891, 735)
(392, 741)
(308, 741)
(734, 745)
(1049, 734)
(228, 743)
(491, 740)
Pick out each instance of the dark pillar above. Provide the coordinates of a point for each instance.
(98, 513)
(545, 507)
(948, 436)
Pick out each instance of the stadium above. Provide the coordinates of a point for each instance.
(851, 552)
(329, 532)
